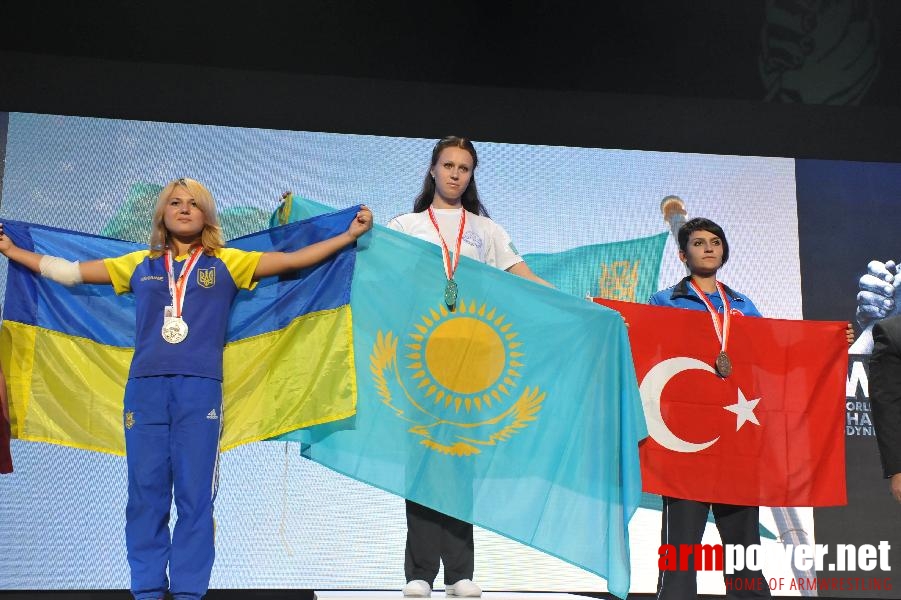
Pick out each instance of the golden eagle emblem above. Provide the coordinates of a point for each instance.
(458, 379)
(618, 280)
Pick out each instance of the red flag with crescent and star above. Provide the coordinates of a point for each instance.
(769, 434)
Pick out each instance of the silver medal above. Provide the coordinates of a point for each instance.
(175, 330)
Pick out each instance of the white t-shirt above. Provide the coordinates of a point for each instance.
(483, 239)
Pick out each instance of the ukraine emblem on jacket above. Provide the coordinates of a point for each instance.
(206, 277)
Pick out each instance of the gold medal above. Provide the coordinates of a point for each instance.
(450, 266)
(450, 293)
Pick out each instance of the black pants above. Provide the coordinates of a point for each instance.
(684, 522)
(433, 537)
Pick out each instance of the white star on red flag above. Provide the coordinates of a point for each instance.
(744, 409)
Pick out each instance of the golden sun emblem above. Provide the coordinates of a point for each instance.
(459, 372)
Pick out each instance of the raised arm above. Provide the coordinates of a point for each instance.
(276, 263)
(55, 268)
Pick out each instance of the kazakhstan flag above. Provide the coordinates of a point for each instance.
(626, 270)
(288, 359)
(518, 411)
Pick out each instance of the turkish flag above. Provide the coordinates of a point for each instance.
(769, 434)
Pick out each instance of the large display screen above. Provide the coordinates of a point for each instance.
(285, 522)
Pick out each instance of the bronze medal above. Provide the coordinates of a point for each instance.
(723, 364)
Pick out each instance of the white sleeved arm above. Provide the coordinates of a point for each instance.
(60, 270)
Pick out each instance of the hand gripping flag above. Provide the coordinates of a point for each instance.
(288, 358)
(769, 434)
(518, 411)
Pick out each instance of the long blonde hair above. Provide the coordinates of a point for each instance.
(210, 237)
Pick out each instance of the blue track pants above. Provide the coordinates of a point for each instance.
(172, 428)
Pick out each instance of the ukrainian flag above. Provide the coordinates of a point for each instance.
(518, 411)
(288, 359)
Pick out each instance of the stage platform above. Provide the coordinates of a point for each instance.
(364, 595)
(296, 594)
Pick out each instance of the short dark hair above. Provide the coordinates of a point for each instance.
(470, 198)
(702, 224)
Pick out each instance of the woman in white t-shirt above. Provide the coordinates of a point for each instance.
(448, 213)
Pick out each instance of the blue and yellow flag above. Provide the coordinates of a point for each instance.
(518, 411)
(288, 360)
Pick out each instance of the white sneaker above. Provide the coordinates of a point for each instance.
(417, 589)
(464, 588)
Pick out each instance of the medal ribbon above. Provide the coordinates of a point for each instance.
(450, 269)
(722, 330)
(177, 287)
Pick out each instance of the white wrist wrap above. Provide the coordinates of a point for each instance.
(60, 270)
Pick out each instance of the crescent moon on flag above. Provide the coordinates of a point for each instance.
(651, 389)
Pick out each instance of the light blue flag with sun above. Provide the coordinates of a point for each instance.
(518, 411)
